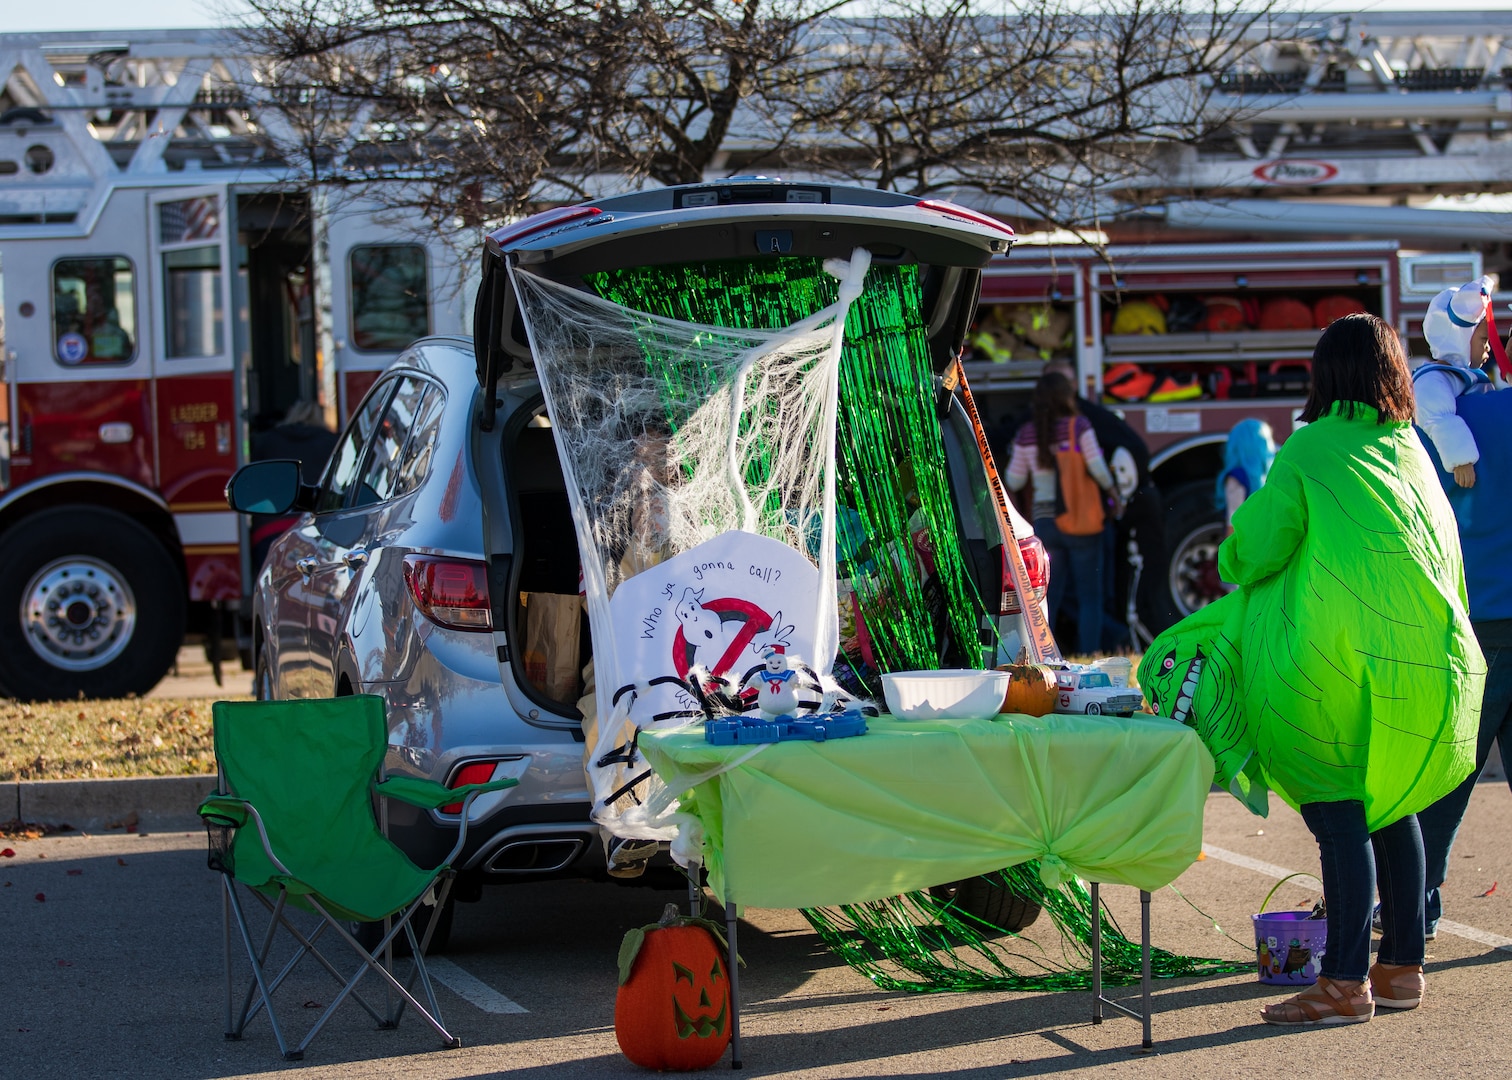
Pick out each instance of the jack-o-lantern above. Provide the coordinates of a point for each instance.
(1031, 689)
(673, 1006)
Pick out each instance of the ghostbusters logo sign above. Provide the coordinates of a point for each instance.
(720, 606)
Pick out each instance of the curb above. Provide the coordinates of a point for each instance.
(154, 802)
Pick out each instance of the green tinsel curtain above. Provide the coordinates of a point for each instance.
(894, 495)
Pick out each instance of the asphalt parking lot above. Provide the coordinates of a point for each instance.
(112, 967)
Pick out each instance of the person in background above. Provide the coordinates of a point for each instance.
(1247, 458)
(1457, 328)
(1483, 512)
(302, 435)
(1057, 453)
(1129, 461)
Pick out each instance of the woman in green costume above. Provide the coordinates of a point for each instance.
(1343, 673)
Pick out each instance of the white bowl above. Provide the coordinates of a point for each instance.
(959, 695)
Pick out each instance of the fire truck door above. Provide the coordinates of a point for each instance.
(195, 395)
(389, 286)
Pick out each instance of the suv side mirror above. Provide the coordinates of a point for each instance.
(268, 487)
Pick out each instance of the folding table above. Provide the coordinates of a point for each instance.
(911, 804)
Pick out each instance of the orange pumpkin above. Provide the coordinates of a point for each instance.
(672, 1011)
(1031, 689)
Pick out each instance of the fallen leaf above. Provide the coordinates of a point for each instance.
(120, 862)
(1491, 890)
(1202, 856)
(8, 853)
(883, 1008)
(76, 873)
(41, 897)
(313, 1004)
(65, 963)
(41, 854)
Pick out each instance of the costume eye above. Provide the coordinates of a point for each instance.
(1169, 662)
(680, 973)
(716, 973)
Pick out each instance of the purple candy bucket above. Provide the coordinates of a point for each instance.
(1289, 947)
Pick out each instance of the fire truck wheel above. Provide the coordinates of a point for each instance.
(90, 602)
(1194, 529)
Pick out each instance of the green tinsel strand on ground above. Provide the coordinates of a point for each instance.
(886, 422)
(922, 944)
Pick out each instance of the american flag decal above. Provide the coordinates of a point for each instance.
(189, 220)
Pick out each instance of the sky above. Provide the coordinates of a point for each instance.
(143, 14)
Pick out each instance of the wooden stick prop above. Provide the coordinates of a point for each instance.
(1041, 644)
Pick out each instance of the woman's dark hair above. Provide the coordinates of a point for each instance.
(1054, 400)
(1359, 360)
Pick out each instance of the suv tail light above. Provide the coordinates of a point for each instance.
(474, 772)
(450, 592)
(1036, 563)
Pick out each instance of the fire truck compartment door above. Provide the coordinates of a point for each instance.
(191, 281)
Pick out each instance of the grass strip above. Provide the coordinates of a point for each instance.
(80, 740)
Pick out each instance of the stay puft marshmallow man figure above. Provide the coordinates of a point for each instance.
(1458, 326)
(776, 684)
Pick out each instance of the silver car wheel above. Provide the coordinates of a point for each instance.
(79, 613)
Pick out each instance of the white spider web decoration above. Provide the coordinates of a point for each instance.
(670, 434)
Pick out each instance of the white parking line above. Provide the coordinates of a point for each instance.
(1235, 859)
(471, 989)
(1446, 926)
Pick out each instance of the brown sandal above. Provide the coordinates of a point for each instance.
(1397, 986)
(1328, 1002)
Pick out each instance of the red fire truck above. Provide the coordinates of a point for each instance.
(151, 327)
(1183, 341)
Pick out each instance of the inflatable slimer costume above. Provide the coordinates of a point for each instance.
(1345, 666)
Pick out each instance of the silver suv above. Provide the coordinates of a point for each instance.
(444, 503)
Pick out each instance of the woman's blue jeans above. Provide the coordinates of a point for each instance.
(1080, 557)
(1356, 864)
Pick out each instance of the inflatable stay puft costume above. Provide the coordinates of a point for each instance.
(1339, 669)
(1449, 325)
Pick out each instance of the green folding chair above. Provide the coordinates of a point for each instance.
(293, 821)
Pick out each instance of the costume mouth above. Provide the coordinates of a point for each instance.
(1183, 708)
(702, 1026)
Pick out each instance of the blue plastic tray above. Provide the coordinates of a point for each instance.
(738, 730)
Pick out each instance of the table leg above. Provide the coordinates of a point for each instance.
(731, 920)
(1144, 964)
(1097, 994)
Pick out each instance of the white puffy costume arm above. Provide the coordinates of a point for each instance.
(1436, 393)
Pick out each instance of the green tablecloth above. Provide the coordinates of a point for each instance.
(914, 804)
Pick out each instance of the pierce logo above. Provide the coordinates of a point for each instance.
(1296, 172)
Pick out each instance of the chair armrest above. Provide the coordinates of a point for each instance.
(429, 795)
(227, 807)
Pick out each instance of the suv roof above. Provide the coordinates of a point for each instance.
(739, 218)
